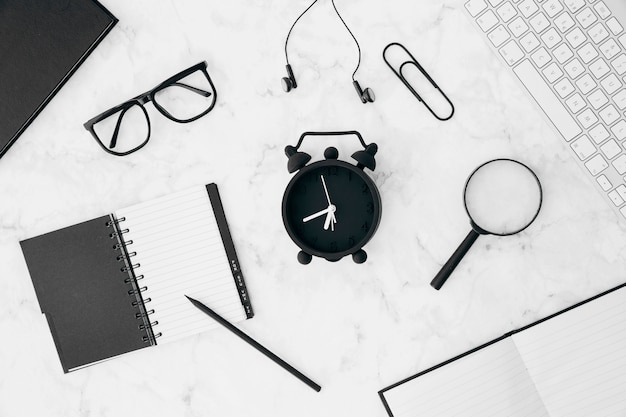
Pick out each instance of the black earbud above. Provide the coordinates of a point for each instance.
(289, 82)
(367, 95)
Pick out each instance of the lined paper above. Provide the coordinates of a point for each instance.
(180, 252)
(577, 360)
(489, 382)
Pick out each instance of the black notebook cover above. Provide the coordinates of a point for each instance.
(42, 43)
(82, 292)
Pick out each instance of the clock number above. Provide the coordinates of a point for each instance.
(333, 170)
(365, 227)
(349, 175)
(333, 246)
(364, 188)
(351, 241)
(369, 208)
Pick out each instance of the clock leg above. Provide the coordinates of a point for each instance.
(304, 258)
(359, 256)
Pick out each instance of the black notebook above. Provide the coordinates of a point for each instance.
(42, 43)
(117, 283)
(571, 364)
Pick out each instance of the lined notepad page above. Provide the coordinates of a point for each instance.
(491, 382)
(180, 252)
(577, 360)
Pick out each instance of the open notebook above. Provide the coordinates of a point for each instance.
(570, 364)
(117, 283)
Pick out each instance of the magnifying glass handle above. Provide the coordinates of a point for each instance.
(459, 253)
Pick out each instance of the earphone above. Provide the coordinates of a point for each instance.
(289, 82)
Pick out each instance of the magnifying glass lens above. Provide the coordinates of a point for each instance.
(502, 197)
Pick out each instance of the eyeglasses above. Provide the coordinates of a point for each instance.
(183, 98)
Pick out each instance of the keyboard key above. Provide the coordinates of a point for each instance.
(619, 64)
(604, 182)
(541, 57)
(599, 133)
(574, 5)
(564, 22)
(498, 36)
(616, 198)
(564, 88)
(507, 12)
(602, 10)
(547, 100)
(623, 211)
(529, 42)
(551, 38)
(574, 68)
(586, 83)
(620, 164)
(576, 37)
(622, 40)
(587, 53)
(619, 130)
(610, 49)
(528, 8)
(611, 84)
(552, 72)
(487, 20)
(562, 53)
(598, 33)
(614, 26)
(599, 68)
(552, 7)
(583, 147)
(586, 17)
(611, 149)
(587, 118)
(576, 103)
(511, 53)
(474, 7)
(621, 190)
(620, 99)
(539, 22)
(494, 3)
(596, 165)
(597, 99)
(609, 114)
(518, 27)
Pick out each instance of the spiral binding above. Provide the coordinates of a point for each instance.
(132, 279)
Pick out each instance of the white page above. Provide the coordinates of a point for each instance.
(577, 360)
(180, 252)
(489, 382)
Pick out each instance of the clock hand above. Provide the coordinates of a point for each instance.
(326, 191)
(330, 218)
(318, 214)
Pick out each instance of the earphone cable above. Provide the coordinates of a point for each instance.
(294, 24)
(353, 37)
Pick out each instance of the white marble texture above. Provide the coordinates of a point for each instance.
(354, 329)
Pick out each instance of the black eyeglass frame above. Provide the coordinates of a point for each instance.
(147, 97)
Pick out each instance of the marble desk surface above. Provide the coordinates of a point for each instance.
(354, 329)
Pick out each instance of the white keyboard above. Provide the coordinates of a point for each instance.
(571, 57)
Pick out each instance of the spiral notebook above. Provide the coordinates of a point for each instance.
(117, 283)
(571, 364)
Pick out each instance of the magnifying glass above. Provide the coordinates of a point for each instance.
(502, 197)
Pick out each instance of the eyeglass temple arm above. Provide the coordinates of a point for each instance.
(194, 89)
(117, 129)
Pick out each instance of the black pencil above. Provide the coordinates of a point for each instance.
(255, 344)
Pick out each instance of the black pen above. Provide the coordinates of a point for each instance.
(293, 371)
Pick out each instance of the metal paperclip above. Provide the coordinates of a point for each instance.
(402, 78)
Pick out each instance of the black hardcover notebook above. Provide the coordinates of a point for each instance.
(570, 364)
(117, 283)
(42, 43)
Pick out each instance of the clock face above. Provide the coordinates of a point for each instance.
(331, 209)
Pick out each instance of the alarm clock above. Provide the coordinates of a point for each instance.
(331, 208)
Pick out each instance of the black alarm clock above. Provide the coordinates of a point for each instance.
(331, 208)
